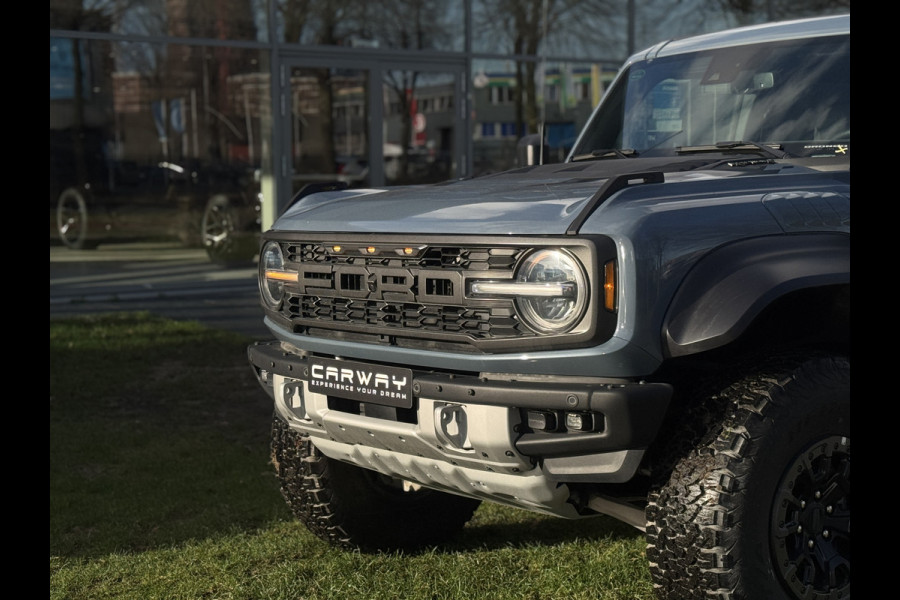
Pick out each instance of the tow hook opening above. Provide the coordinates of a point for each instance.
(451, 426)
(292, 394)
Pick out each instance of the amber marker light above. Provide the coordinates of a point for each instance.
(408, 250)
(609, 286)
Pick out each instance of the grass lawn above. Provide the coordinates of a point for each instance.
(161, 488)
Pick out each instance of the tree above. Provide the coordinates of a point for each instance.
(530, 25)
(407, 25)
(752, 11)
(329, 23)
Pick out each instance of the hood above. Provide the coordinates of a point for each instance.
(531, 200)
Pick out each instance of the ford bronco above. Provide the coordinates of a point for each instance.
(656, 329)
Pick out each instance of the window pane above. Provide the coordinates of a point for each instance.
(420, 136)
(562, 99)
(147, 133)
(578, 28)
(389, 24)
(216, 19)
(329, 127)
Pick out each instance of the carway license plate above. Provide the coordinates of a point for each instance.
(376, 384)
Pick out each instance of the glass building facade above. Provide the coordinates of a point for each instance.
(160, 109)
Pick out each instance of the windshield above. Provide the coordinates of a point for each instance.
(792, 95)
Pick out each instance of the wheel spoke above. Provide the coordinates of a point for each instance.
(811, 519)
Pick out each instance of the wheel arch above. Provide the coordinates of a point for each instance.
(732, 287)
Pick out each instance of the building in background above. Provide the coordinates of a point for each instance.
(180, 102)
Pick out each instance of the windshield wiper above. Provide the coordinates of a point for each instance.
(770, 151)
(606, 153)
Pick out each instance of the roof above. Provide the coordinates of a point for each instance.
(752, 34)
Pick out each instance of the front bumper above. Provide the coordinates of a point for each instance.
(475, 434)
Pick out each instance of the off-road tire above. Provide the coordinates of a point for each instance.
(759, 509)
(354, 508)
(72, 220)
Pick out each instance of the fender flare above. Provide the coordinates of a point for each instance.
(732, 285)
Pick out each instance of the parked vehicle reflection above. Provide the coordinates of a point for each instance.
(96, 198)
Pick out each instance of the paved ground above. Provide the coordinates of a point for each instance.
(163, 278)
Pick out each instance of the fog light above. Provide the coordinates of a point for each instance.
(579, 421)
(542, 421)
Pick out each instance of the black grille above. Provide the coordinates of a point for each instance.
(486, 322)
(443, 257)
(373, 289)
(387, 288)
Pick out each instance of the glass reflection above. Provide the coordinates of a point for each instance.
(581, 29)
(556, 100)
(329, 127)
(155, 141)
(419, 127)
(213, 19)
(386, 24)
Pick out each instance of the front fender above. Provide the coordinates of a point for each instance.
(730, 286)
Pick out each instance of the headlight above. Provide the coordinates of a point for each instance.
(561, 305)
(550, 291)
(272, 275)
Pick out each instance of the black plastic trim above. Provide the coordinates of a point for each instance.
(610, 187)
(732, 285)
(632, 411)
(633, 414)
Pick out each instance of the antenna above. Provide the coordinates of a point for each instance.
(541, 136)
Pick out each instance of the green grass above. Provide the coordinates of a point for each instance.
(161, 488)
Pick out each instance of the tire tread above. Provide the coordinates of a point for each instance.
(695, 506)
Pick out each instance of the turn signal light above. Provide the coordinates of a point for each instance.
(609, 286)
(281, 275)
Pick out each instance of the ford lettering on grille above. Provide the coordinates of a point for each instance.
(375, 384)
(381, 283)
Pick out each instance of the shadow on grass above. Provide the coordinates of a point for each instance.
(159, 434)
(531, 530)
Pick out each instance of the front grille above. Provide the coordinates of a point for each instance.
(488, 322)
(440, 257)
(407, 295)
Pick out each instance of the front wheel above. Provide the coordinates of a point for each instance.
(223, 237)
(72, 220)
(760, 509)
(354, 508)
